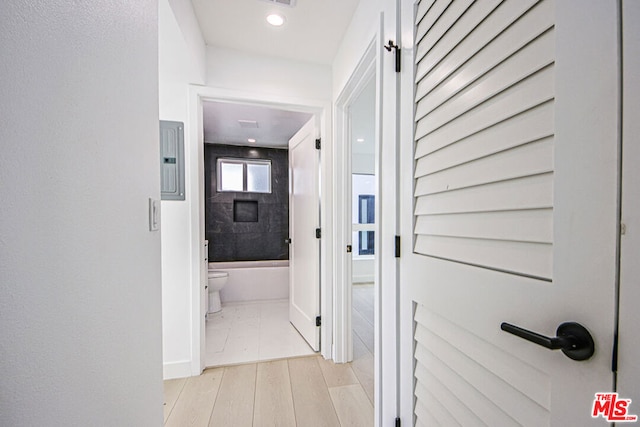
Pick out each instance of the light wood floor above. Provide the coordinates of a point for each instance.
(305, 391)
(363, 335)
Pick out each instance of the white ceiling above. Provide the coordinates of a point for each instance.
(312, 30)
(274, 127)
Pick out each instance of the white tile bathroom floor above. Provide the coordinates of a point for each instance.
(252, 332)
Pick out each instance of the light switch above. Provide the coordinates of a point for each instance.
(154, 214)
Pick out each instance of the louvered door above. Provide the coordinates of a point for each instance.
(513, 211)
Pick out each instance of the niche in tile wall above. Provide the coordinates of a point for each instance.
(245, 211)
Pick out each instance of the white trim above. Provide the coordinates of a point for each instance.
(194, 154)
(176, 370)
(321, 109)
(387, 271)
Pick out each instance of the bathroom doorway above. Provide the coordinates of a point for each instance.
(246, 224)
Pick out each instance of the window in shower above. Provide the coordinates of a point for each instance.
(244, 175)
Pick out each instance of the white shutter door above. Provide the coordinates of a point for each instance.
(484, 136)
(512, 213)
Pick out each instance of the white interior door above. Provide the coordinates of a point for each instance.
(304, 218)
(629, 348)
(512, 213)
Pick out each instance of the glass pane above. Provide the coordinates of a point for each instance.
(363, 242)
(366, 210)
(259, 178)
(230, 176)
(366, 240)
(363, 210)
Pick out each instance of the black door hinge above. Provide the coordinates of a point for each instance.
(318, 143)
(318, 233)
(398, 423)
(396, 49)
(397, 246)
(318, 321)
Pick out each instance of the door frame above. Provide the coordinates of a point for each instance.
(194, 156)
(362, 75)
(375, 59)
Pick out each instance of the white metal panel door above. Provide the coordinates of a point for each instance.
(304, 218)
(512, 213)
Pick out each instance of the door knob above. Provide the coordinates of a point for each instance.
(573, 339)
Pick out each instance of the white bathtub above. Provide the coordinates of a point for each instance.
(254, 280)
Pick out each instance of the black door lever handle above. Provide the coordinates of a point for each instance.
(573, 339)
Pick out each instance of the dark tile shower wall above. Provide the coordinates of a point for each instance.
(247, 241)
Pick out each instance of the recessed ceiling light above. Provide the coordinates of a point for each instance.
(251, 140)
(275, 19)
(360, 140)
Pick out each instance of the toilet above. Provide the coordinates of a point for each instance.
(216, 280)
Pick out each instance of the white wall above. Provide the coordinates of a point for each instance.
(179, 65)
(194, 45)
(362, 163)
(364, 26)
(246, 72)
(362, 113)
(363, 269)
(80, 270)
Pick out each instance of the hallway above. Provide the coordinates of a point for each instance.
(307, 391)
(298, 391)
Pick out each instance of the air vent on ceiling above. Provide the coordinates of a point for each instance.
(248, 124)
(290, 3)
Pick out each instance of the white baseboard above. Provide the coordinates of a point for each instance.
(176, 370)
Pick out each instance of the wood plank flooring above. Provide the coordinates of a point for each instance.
(304, 391)
(195, 401)
(363, 335)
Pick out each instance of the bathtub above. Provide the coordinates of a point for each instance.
(254, 280)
